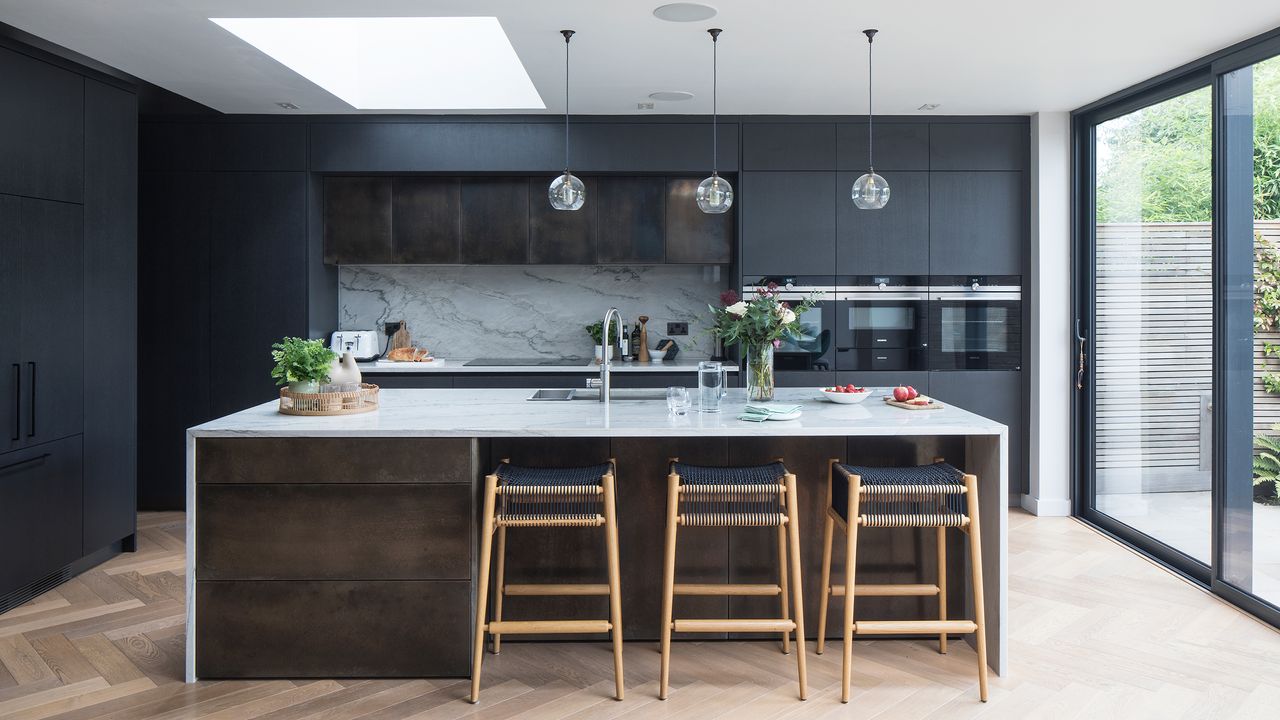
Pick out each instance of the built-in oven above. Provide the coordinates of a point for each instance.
(882, 322)
(812, 348)
(975, 322)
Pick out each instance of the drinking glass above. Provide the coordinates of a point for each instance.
(678, 400)
(711, 384)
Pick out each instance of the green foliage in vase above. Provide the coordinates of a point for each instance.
(299, 360)
(761, 319)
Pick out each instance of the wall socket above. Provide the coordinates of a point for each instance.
(677, 328)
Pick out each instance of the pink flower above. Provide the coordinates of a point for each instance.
(777, 344)
(729, 297)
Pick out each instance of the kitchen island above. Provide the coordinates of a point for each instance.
(346, 546)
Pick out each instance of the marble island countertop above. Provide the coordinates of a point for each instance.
(588, 367)
(508, 413)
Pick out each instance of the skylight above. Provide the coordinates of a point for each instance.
(399, 63)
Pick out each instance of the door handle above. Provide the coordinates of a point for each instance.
(1080, 357)
(17, 403)
(20, 463)
(31, 431)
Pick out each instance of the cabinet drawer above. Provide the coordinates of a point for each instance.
(332, 629)
(311, 532)
(40, 511)
(334, 460)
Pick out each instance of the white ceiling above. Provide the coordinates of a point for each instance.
(776, 56)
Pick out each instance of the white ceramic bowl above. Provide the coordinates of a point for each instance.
(846, 398)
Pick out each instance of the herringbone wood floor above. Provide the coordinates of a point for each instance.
(1096, 631)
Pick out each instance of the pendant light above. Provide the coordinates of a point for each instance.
(715, 194)
(566, 192)
(870, 192)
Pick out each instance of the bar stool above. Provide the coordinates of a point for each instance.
(516, 497)
(937, 496)
(760, 496)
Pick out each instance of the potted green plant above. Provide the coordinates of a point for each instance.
(596, 331)
(301, 364)
(758, 323)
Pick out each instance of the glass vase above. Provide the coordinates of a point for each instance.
(760, 373)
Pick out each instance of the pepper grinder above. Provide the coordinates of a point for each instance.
(643, 354)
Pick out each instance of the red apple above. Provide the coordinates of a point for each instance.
(901, 394)
(912, 392)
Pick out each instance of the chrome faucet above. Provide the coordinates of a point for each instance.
(605, 347)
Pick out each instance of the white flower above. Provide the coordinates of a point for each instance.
(788, 316)
(739, 308)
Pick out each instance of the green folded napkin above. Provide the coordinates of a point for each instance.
(757, 413)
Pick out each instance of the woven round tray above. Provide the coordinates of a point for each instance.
(335, 403)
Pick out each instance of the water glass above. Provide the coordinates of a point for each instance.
(678, 400)
(711, 383)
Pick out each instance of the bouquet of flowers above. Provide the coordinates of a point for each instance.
(759, 323)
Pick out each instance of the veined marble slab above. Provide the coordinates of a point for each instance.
(588, 367)
(508, 413)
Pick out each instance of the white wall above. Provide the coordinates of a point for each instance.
(1050, 332)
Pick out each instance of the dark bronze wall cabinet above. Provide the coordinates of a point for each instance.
(562, 237)
(357, 220)
(692, 235)
(495, 221)
(633, 225)
(426, 220)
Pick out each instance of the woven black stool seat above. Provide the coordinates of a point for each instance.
(730, 496)
(554, 495)
(921, 496)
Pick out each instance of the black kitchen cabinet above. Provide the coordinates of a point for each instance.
(357, 221)
(41, 129)
(993, 394)
(110, 315)
(184, 145)
(788, 223)
(495, 221)
(979, 146)
(789, 146)
(50, 259)
(561, 237)
(425, 220)
(893, 240)
(897, 146)
(977, 223)
(257, 281)
(694, 236)
(804, 378)
(11, 394)
(438, 146)
(40, 511)
(632, 219)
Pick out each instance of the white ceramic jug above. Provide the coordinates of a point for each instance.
(344, 371)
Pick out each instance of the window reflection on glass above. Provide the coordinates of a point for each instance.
(975, 328)
(882, 317)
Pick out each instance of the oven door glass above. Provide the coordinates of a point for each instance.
(976, 334)
(883, 324)
(811, 346)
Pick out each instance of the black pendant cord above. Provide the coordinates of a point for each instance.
(567, 34)
(715, 82)
(871, 163)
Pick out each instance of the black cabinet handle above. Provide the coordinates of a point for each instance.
(17, 402)
(31, 431)
(20, 463)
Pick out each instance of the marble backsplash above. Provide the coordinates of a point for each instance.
(525, 311)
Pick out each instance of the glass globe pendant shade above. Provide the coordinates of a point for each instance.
(870, 192)
(714, 195)
(567, 192)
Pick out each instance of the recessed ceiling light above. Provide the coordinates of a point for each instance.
(930, 106)
(399, 63)
(671, 95)
(684, 12)
(644, 106)
(286, 106)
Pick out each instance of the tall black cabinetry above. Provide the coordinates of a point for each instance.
(68, 318)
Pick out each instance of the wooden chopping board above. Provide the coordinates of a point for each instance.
(933, 404)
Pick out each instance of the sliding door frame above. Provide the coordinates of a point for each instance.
(1232, 308)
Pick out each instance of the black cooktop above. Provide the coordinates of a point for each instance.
(539, 362)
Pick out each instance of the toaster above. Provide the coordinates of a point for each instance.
(362, 344)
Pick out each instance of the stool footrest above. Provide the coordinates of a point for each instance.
(528, 627)
(733, 625)
(726, 589)
(910, 627)
(557, 590)
(888, 590)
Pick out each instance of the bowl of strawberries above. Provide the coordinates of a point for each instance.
(846, 394)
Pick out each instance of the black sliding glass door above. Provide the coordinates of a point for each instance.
(1177, 408)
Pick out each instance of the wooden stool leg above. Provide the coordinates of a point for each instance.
(793, 530)
(482, 593)
(782, 584)
(975, 561)
(828, 532)
(668, 581)
(500, 589)
(850, 568)
(942, 586)
(615, 586)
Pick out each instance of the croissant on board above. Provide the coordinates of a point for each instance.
(410, 354)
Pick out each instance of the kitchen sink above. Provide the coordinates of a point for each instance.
(561, 394)
(618, 394)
